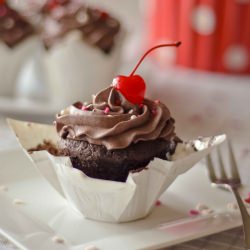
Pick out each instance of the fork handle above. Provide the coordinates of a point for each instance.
(245, 217)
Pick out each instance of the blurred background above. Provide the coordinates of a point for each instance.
(57, 51)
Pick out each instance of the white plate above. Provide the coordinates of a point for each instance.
(45, 213)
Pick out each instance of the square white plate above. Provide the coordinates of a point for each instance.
(32, 213)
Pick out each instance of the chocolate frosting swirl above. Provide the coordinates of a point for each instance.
(13, 27)
(97, 27)
(114, 122)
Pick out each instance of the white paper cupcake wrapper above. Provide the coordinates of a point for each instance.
(109, 200)
(76, 70)
(11, 61)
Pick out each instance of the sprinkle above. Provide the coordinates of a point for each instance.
(90, 247)
(3, 10)
(133, 117)
(247, 200)
(193, 212)
(18, 202)
(154, 112)
(157, 101)
(82, 17)
(58, 239)
(106, 110)
(201, 206)
(3, 188)
(232, 206)
(207, 211)
(84, 108)
(157, 203)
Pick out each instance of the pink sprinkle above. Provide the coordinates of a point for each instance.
(154, 112)
(247, 200)
(84, 108)
(158, 203)
(3, 11)
(106, 110)
(157, 101)
(194, 212)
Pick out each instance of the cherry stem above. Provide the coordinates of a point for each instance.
(176, 44)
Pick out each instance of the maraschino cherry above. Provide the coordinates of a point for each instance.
(133, 87)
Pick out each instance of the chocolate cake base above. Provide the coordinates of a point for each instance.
(98, 162)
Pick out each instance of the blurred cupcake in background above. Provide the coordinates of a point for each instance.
(17, 42)
(215, 33)
(82, 49)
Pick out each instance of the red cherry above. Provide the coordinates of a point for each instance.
(133, 87)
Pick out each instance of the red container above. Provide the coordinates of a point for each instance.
(215, 34)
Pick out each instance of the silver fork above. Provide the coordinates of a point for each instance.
(232, 183)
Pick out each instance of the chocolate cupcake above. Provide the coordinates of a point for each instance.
(17, 41)
(119, 149)
(79, 39)
(97, 27)
(13, 27)
(111, 136)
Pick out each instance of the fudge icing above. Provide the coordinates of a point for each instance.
(114, 122)
(13, 27)
(96, 27)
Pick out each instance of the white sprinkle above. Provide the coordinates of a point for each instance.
(82, 17)
(58, 239)
(133, 117)
(207, 211)
(18, 202)
(90, 247)
(3, 188)
(201, 207)
(131, 111)
(232, 206)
